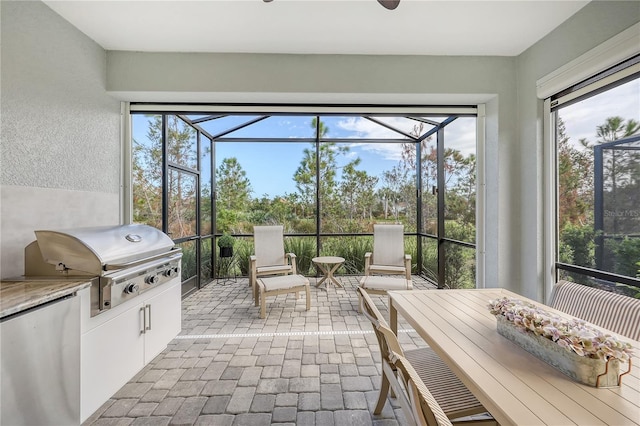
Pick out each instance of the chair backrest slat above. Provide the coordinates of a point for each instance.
(269, 245)
(615, 312)
(424, 407)
(388, 245)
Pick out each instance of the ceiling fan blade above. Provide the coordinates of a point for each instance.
(389, 4)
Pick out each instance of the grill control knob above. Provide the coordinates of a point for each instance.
(171, 272)
(152, 279)
(131, 288)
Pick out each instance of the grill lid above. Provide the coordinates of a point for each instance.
(98, 249)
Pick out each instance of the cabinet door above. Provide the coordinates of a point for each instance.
(165, 320)
(112, 353)
(39, 365)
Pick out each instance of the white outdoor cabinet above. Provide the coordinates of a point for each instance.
(39, 359)
(115, 345)
(165, 319)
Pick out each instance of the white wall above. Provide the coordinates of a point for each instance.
(60, 130)
(589, 27)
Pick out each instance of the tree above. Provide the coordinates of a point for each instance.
(357, 191)
(182, 188)
(622, 165)
(233, 186)
(394, 182)
(305, 175)
(621, 191)
(349, 188)
(147, 176)
(147, 183)
(459, 179)
(575, 180)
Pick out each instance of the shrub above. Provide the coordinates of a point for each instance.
(352, 249)
(304, 248)
(579, 240)
(226, 240)
(243, 250)
(627, 253)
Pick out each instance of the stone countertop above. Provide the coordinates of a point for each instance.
(19, 294)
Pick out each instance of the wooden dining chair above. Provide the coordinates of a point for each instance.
(454, 398)
(418, 403)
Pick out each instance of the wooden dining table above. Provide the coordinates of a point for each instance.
(516, 387)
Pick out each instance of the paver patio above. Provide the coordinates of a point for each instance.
(229, 367)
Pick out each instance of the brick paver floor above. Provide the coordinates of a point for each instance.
(295, 367)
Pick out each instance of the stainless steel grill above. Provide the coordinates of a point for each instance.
(123, 261)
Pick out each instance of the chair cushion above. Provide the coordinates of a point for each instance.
(384, 269)
(385, 283)
(275, 269)
(283, 282)
(450, 393)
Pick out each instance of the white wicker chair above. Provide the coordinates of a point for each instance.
(269, 257)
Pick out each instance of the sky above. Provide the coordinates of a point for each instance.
(270, 167)
(582, 118)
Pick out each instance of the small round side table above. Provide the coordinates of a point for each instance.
(328, 265)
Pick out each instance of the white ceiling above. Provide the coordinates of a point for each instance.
(416, 27)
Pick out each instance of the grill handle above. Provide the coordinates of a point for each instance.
(169, 254)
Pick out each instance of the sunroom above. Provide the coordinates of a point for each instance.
(508, 153)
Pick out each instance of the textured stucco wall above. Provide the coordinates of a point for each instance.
(60, 130)
(59, 127)
(589, 27)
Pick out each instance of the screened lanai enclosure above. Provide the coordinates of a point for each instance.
(597, 134)
(617, 206)
(326, 177)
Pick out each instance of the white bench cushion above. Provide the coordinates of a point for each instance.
(283, 282)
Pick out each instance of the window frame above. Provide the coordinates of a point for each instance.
(612, 77)
(360, 110)
(613, 51)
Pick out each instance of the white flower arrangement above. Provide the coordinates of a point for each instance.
(574, 335)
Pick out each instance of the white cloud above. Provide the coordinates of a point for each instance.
(460, 135)
(582, 118)
(364, 128)
(392, 152)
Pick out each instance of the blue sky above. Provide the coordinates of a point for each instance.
(271, 167)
